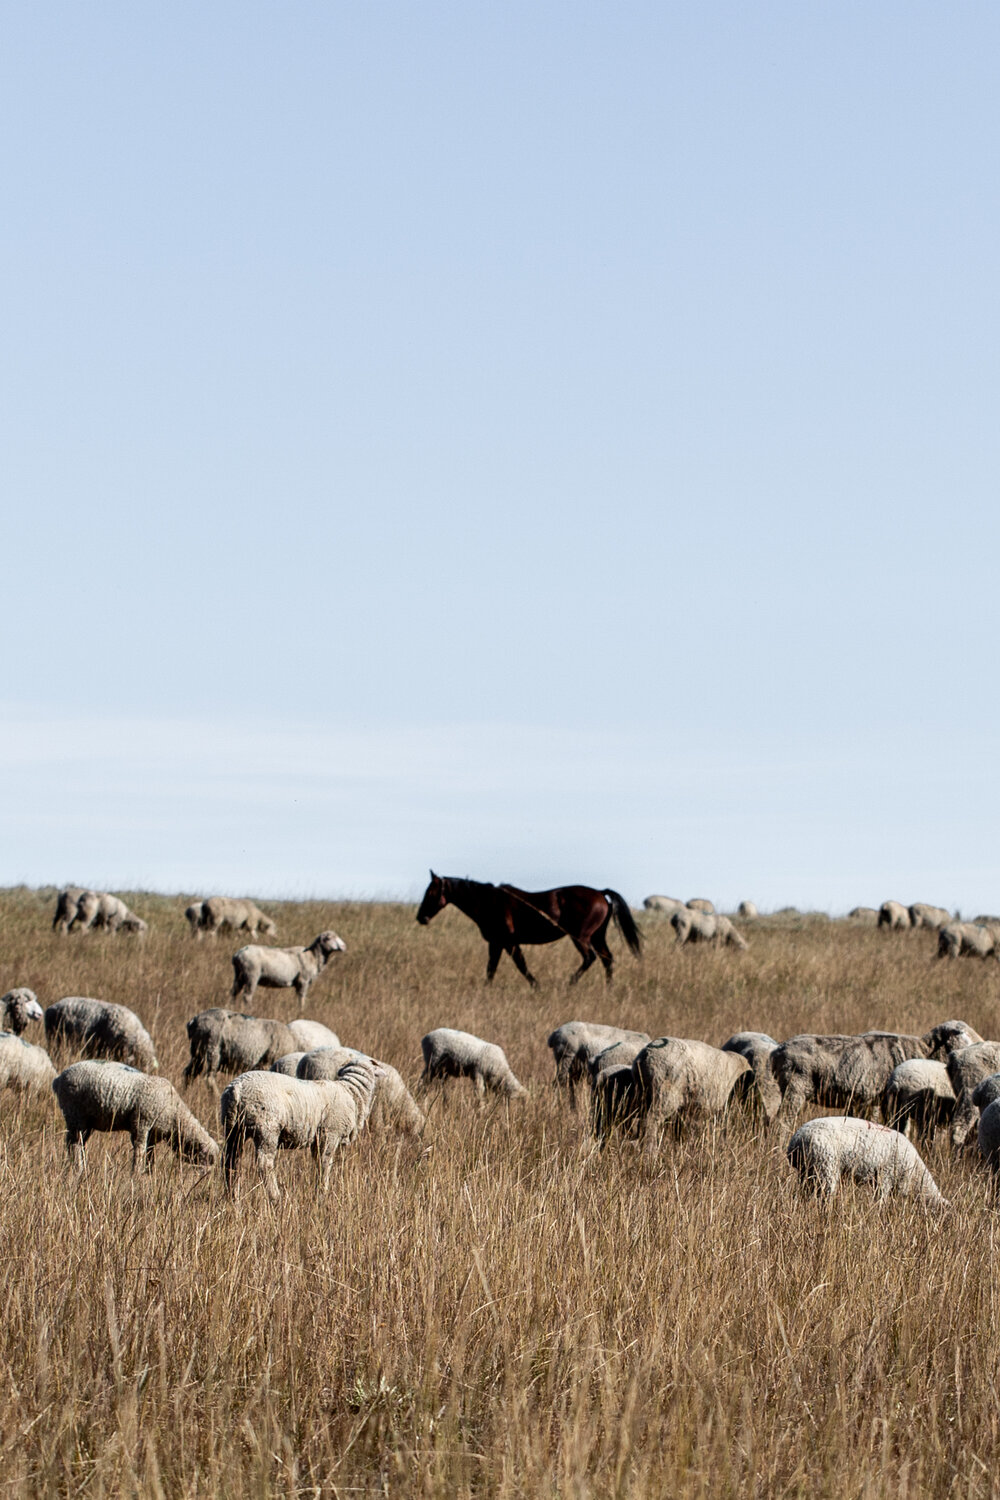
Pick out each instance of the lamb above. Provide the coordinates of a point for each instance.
(193, 915)
(893, 916)
(17, 1008)
(701, 927)
(827, 1150)
(99, 1029)
(931, 917)
(226, 1041)
(918, 1092)
(99, 910)
(242, 915)
(968, 1067)
(576, 1043)
(458, 1054)
(276, 1112)
(666, 904)
(966, 940)
(679, 1080)
(852, 1071)
(283, 968)
(747, 910)
(393, 1105)
(702, 904)
(757, 1047)
(66, 904)
(23, 1066)
(988, 1136)
(111, 1096)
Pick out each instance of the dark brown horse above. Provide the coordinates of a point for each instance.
(508, 917)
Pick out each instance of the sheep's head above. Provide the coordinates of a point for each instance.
(268, 927)
(329, 943)
(200, 1151)
(136, 925)
(18, 1007)
(949, 1037)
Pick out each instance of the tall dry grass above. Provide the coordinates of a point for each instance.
(510, 1313)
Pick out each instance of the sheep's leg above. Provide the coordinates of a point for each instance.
(302, 990)
(963, 1119)
(479, 1083)
(521, 966)
(265, 1164)
(76, 1140)
(231, 1158)
(142, 1152)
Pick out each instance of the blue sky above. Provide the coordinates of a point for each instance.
(546, 442)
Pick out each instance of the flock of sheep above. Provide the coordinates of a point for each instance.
(296, 1086)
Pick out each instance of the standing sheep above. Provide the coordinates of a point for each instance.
(893, 916)
(705, 927)
(967, 1068)
(99, 910)
(192, 915)
(747, 910)
(679, 1080)
(702, 904)
(283, 968)
(111, 1096)
(22, 1065)
(863, 914)
(278, 1113)
(459, 1054)
(239, 914)
(226, 1041)
(931, 917)
(575, 1044)
(393, 1105)
(966, 940)
(99, 1029)
(665, 904)
(918, 1092)
(66, 904)
(757, 1047)
(17, 1008)
(825, 1151)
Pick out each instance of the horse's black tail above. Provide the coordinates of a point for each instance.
(626, 925)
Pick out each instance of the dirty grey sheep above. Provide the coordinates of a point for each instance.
(667, 905)
(894, 916)
(459, 1054)
(226, 1041)
(99, 1029)
(679, 1081)
(18, 1008)
(394, 1107)
(695, 926)
(825, 1151)
(757, 1047)
(66, 904)
(101, 911)
(988, 1137)
(22, 1065)
(237, 913)
(283, 968)
(967, 940)
(192, 915)
(288, 1065)
(967, 1068)
(933, 918)
(918, 1093)
(863, 914)
(112, 1096)
(614, 1096)
(280, 1113)
(984, 1093)
(575, 1044)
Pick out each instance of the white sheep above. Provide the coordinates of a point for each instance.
(394, 1106)
(99, 1029)
(967, 940)
(692, 925)
(931, 917)
(283, 968)
(280, 1113)
(227, 1041)
(826, 1150)
(863, 914)
(575, 1044)
(665, 904)
(918, 1095)
(112, 1096)
(678, 1080)
(459, 1054)
(894, 916)
(17, 1008)
(747, 910)
(99, 910)
(702, 904)
(22, 1065)
(238, 913)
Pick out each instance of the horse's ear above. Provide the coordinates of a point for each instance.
(433, 876)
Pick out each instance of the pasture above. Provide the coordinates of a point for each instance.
(505, 1312)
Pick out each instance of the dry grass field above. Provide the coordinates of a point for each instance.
(507, 1313)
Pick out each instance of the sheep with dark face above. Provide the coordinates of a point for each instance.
(237, 913)
(825, 1151)
(747, 910)
(18, 1008)
(283, 968)
(99, 1029)
(988, 1137)
(575, 1044)
(112, 1096)
(227, 1041)
(614, 1094)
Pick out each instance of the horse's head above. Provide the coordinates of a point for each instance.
(435, 899)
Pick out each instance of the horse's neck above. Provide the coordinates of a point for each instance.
(472, 897)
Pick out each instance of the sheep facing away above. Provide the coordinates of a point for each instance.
(827, 1150)
(459, 1054)
(227, 1041)
(696, 926)
(99, 1029)
(393, 1106)
(894, 916)
(679, 1081)
(238, 913)
(757, 1047)
(918, 1095)
(747, 910)
(283, 968)
(22, 1065)
(280, 1113)
(575, 1044)
(967, 1068)
(112, 1096)
(17, 1008)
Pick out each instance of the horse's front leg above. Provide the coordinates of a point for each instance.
(496, 953)
(521, 966)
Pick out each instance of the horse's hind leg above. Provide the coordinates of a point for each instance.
(521, 966)
(588, 955)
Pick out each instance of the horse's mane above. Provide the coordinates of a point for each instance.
(465, 881)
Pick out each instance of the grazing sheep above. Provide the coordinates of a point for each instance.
(702, 904)
(967, 1068)
(459, 1054)
(893, 916)
(918, 1092)
(66, 904)
(984, 1093)
(393, 1106)
(666, 904)
(99, 1029)
(111, 1096)
(17, 1008)
(279, 1113)
(988, 1136)
(692, 926)
(288, 1065)
(747, 910)
(23, 1066)
(863, 914)
(241, 915)
(757, 1047)
(283, 968)
(614, 1096)
(679, 1080)
(825, 1151)
(226, 1041)
(851, 1072)
(310, 1034)
(98, 910)
(193, 915)
(966, 940)
(575, 1044)
(931, 917)
(985, 919)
